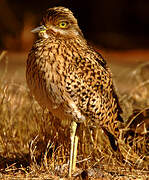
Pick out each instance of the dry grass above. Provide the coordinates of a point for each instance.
(33, 144)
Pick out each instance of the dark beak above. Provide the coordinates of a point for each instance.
(38, 29)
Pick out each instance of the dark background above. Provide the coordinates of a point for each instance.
(113, 24)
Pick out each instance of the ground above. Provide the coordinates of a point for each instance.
(27, 150)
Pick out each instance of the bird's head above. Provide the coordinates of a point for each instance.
(60, 22)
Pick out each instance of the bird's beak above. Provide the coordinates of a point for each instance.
(39, 29)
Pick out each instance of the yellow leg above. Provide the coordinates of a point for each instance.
(73, 150)
(75, 153)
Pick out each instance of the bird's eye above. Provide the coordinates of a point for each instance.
(63, 24)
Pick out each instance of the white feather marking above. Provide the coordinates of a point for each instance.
(45, 35)
(76, 112)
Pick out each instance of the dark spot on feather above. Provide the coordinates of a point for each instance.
(102, 62)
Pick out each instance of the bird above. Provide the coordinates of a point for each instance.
(69, 78)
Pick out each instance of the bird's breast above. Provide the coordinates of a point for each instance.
(47, 71)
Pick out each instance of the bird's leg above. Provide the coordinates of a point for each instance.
(75, 153)
(73, 150)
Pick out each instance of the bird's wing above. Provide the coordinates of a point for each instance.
(89, 86)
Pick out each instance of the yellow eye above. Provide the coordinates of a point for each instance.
(63, 24)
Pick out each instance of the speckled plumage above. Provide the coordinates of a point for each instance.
(68, 77)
